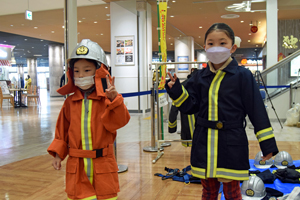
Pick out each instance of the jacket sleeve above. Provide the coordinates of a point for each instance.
(60, 143)
(115, 115)
(257, 113)
(173, 119)
(184, 97)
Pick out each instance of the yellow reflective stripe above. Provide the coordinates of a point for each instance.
(88, 198)
(191, 119)
(86, 138)
(265, 134)
(232, 174)
(172, 125)
(266, 138)
(182, 98)
(82, 124)
(198, 172)
(194, 122)
(212, 139)
(89, 125)
(186, 144)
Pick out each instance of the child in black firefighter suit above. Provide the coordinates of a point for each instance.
(187, 121)
(223, 94)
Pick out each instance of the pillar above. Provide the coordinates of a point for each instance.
(56, 63)
(70, 17)
(32, 71)
(272, 39)
(184, 51)
(131, 20)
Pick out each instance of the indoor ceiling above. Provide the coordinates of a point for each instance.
(185, 18)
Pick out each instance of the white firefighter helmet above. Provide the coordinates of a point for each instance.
(259, 163)
(283, 159)
(88, 49)
(253, 189)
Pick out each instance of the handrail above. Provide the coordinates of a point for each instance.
(280, 63)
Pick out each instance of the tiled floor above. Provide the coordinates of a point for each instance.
(27, 132)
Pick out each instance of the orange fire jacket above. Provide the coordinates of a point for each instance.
(83, 125)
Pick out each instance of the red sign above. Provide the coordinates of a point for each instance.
(254, 29)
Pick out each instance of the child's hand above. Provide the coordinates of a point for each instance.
(56, 163)
(264, 158)
(173, 80)
(111, 91)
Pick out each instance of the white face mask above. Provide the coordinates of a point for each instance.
(84, 82)
(217, 55)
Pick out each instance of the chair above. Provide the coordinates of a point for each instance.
(6, 96)
(35, 94)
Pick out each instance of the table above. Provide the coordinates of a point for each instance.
(18, 96)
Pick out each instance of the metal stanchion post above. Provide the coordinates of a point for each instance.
(158, 111)
(153, 147)
(122, 168)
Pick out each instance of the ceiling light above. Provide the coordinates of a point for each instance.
(172, 16)
(230, 16)
(257, 45)
(42, 40)
(169, 38)
(63, 26)
(107, 15)
(95, 22)
(25, 39)
(259, 22)
(4, 41)
(11, 25)
(79, 21)
(171, 43)
(108, 19)
(179, 35)
(199, 36)
(35, 27)
(83, 18)
(22, 24)
(173, 1)
(106, 7)
(168, 7)
(52, 31)
(33, 47)
(242, 21)
(37, 55)
(101, 33)
(249, 40)
(249, 33)
(200, 26)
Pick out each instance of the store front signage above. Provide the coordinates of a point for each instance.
(290, 43)
(251, 62)
(28, 15)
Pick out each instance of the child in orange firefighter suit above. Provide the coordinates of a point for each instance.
(87, 124)
(223, 94)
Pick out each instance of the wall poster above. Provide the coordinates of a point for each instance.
(183, 67)
(125, 54)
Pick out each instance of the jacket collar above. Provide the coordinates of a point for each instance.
(78, 95)
(231, 68)
(71, 88)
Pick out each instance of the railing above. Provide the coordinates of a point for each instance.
(285, 73)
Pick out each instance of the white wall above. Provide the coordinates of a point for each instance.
(184, 46)
(124, 23)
